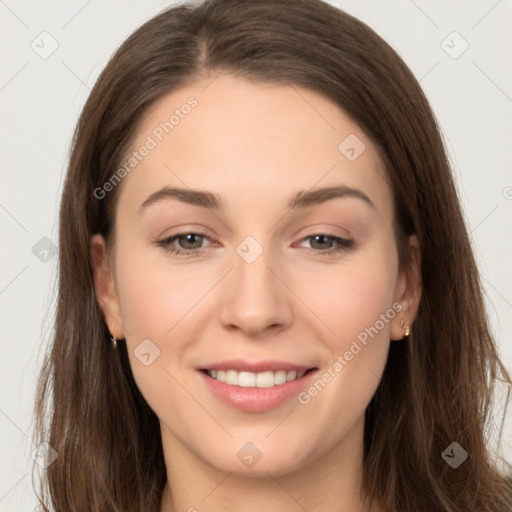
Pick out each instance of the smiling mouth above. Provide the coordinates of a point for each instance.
(266, 379)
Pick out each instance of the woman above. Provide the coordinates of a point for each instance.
(267, 292)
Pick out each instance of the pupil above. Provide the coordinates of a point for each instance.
(191, 238)
(321, 239)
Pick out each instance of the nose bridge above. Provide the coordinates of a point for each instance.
(255, 299)
(252, 268)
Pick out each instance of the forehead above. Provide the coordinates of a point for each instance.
(251, 142)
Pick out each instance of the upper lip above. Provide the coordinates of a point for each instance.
(255, 366)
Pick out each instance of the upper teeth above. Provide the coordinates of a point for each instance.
(259, 380)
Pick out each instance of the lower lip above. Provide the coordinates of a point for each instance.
(255, 399)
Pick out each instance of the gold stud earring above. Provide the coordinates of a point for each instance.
(113, 340)
(406, 327)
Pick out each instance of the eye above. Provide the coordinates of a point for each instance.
(190, 243)
(187, 243)
(328, 244)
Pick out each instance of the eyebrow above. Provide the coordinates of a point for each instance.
(301, 199)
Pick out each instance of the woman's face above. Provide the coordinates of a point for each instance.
(255, 234)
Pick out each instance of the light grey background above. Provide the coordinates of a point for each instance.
(41, 99)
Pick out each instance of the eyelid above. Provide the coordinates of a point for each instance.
(185, 229)
(327, 229)
(325, 234)
(167, 241)
(340, 243)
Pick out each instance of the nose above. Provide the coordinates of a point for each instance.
(255, 299)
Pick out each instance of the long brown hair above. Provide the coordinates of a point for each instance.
(437, 387)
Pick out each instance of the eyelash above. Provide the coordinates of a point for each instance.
(343, 244)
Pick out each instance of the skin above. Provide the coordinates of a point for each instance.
(256, 145)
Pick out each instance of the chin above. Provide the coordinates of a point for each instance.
(257, 460)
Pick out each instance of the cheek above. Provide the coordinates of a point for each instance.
(352, 298)
(155, 297)
(155, 302)
(358, 309)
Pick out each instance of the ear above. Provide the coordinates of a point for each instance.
(104, 285)
(408, 290)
